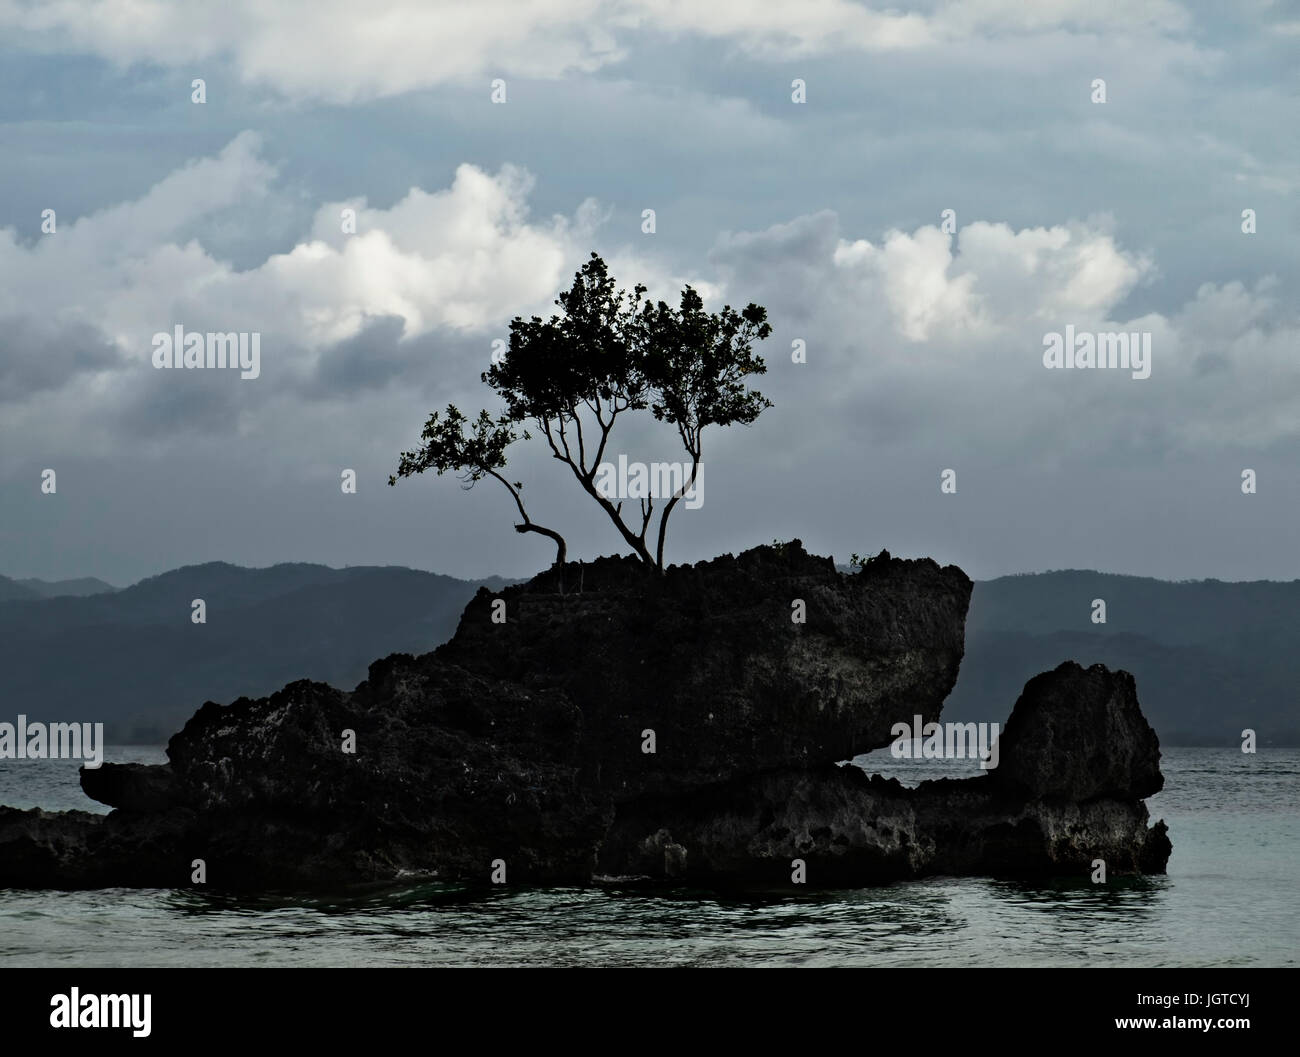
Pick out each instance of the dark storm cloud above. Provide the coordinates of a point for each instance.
(38, 355)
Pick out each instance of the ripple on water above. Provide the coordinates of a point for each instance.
(1229, 899)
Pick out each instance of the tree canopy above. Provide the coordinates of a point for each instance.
(572, 377)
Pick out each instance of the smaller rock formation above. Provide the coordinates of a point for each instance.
(1075, 760)
(1079, 735)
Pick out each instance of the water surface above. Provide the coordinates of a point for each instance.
(1229, 899)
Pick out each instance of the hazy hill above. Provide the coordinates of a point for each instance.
(20, 590)
(86, 585)
(134, 660)
(1210, 658)
(13, 589)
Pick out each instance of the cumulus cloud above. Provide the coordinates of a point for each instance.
(930, 334)
(337, 313)
(342, 52)
(942, 336)
(412, 298)
(101, 270)
(464, 258)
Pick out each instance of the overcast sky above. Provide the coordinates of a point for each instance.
(924, 348)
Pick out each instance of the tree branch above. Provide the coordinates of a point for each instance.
(529, 525)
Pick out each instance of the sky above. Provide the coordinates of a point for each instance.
(924, 331)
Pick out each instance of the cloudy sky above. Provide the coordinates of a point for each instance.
(924, 347)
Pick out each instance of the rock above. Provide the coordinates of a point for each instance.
(1079, 734)
(130, 786)
(75, 849)
(523, 741)
(851, 830)
(709, 658)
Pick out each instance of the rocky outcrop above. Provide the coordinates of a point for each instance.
(599, 721)
(130, 786)
(850, 829)
(712, 660)
(1079, 735)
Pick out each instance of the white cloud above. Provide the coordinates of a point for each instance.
(96, 270)
(449, 267)
(341, 52)
(946, 332)
(464, 258)
(947, 335)
(972, 16)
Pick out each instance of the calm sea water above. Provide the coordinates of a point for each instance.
(1231, 898)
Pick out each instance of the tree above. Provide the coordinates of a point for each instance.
(573, 376)
(477, 454)
(697, 363)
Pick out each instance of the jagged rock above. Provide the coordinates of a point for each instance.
(709, 658)
(523, 741)
(75, 849)
(1079, 734)
(853, 830)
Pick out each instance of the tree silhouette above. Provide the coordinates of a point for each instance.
(476, 454)
(573, 376)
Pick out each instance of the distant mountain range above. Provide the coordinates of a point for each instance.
(17, 590)
(1210, 658)
(134, 659)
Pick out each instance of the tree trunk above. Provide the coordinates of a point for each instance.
(561, 549)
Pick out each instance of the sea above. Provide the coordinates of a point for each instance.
(1231, 898)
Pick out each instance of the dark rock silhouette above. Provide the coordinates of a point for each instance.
(130, 786)
(1079, 734)
(1066, 792)
(523, 741)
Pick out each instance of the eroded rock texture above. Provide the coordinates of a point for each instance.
(1050, 814)
(523, 741)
